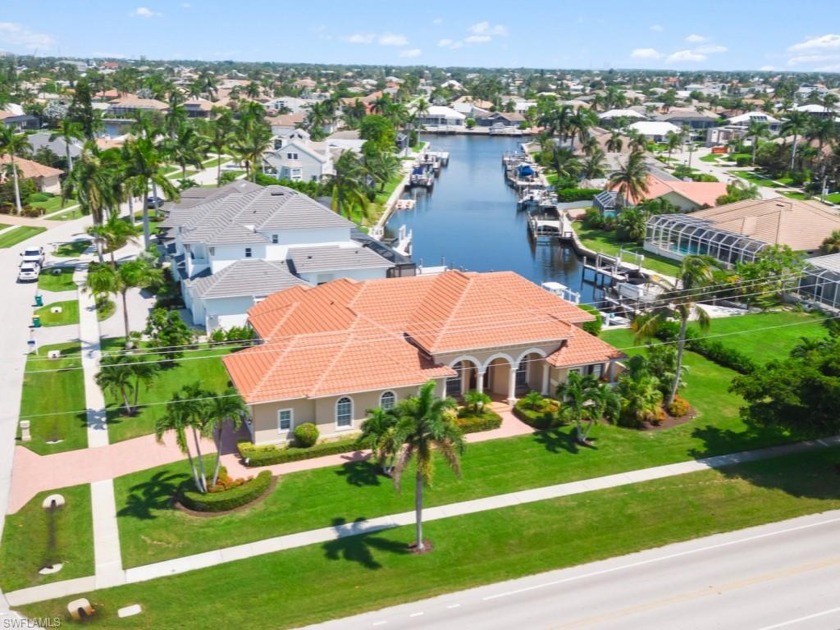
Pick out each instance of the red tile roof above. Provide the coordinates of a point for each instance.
(583, 349)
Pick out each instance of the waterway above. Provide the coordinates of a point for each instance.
(469, 221)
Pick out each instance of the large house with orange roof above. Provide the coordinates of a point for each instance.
(332, 352)
(686, 196)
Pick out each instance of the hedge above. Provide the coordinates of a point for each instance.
(229, 499)
(487, 421)
(537, 419)
(714, 351)
(269, 455)
(567, 195)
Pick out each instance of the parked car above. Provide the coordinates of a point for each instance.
(28, 272)
(33, 255)
(153, 203)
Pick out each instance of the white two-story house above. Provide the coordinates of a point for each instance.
(295, 157)
(234, 245)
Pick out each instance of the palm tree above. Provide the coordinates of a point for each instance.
(672, 141)
(227, 407)
(380, 165)
(593, 167)
(13, 144)
(115, 234)
(795, 124)
(89, 183)
(631, 181)
(641, 397)
(186, 412)
(565, 164)
(250, 141)
(823, 130)
(68, 130)
(144, 161)
(696, 272)
(831, 244)
(584, 398)
(580, 122)
(347, 185)
(756, 130)
(216, 134)
(185, 148)
(378, 433)
(117, 376)
(423, 428)
(615, 143)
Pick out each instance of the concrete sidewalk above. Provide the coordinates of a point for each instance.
(364, 526)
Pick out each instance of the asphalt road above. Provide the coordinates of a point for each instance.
(783, 575)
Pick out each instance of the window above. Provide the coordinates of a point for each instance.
(291, 156)
(248, 252)
(387, 400)
(284, 420)
(597, 370)
(212, 251)
(275, 239)
(344, 413)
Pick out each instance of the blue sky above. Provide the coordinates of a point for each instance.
(738, 34)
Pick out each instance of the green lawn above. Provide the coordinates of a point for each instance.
(67, 215)
(713, 157)
(374, 571)
(49, 281)
(204, 366)
(18, 235)
(73, 249)
(606, 243)
(3, 226)
(69, 313)
(213, 162)
(52, 204)
(53, 400)
(755, 178)
(796, 195)
(833, 197)
(25, 549)
(151, 531)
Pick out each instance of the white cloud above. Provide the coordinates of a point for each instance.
(13, 34)
(485, 28)
(646, 53)
(411, 53)
(696, 39)
(391, 39)
(360, 38)
(477, 39)
(437, 21)
(446, 42)
(685, 55)
(710, 49)
(145, 12)
(766, 68)
(830, 41)
(657, 28)
(800, 60)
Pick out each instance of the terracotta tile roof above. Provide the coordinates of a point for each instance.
(700, 193)
(347, 336)
(136, 102)
(802, 225)
(581, 348)
(30, 169)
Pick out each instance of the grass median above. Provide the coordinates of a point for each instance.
(18, 235)
(374, 571)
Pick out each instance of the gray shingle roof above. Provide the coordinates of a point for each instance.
(246, 278)
(238, 213)
(330, 258)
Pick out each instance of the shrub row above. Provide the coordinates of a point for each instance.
(228, 499)
(566, 195)
(270, 455)
(713, 350)
(539, 419)
(487, 421)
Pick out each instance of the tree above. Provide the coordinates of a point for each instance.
(615, 142)
(13, 144)
(639, 392)
(631, 180)
(795, 125)
(381, 166)
(738, 191)
(89, 183)
(585, 399)
(185, 148)
(378, 434)
(68, 131)
(774, 272)
(168, 333)
(346, 185)
(380, 131)
(580, 122)
(476, 401)
(144, 162)
(696, 272)
(216, 134)
(81, 110)
(423, 429)
(672, 141)
(117, 376)
(115, 233)
(185, 412)
(228, 407)
(566, 165)
(594, 166)
(756, 130)
(251, 139)
(831, 244)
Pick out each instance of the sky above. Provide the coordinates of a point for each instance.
(800, 35)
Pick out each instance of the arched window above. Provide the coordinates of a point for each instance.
(344, 412)
(387, 400)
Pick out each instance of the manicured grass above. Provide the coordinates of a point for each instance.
(203, 366)
(18, 235)
(375, 571)
(151, 531)
(53, 400)
(213, 162)
(606, 243)
(796, 195)
(69, 313)
(756, 178)
(26, 550)
(3, 226)
(67, 215)
(73, 249)
(49, 281)
(833, 197)
(52, 204)
(713, 157)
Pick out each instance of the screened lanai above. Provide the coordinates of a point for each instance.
(678, 235)
(820, 281)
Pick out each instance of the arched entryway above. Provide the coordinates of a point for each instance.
(469, 377)
(532, 373)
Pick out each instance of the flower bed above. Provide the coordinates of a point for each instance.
(227, 500)
(472, 423)
(271, 454)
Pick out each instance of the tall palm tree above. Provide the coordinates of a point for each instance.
(696, 272)
(423, 428)
(89, 183)
(347, 185)
(823, 130)
(115, 234)
(672, 141)
(185, 412)
(225, 408)
(250, 141)
(565, 164)
(117, 376)
(831, 244)
(756, 130)
(593, 167)
(795, 124)
(631, 180)
(13, 144)
(216, 135)
(580, 122)
(185, 147)
(145, 162)
(615, 143)
(68, 130)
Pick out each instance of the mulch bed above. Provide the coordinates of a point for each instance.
(671, 421)
(174, 502)
(427, 547)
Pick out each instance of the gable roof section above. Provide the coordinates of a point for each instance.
(802, 225)
(699, 193)
(329, 258)
(581, 348)
(30, 169)
(249, 278)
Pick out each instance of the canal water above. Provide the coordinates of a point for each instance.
(469, 221)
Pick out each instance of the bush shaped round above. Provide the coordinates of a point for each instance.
(306, 435)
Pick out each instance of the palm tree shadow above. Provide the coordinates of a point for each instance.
(556, 441)
(717, 441)
(154, 494)
(360, 473)
(359, 547)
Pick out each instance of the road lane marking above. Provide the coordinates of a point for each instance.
(801, 619)
(454, 606)
(415, 614)
(671, 556)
